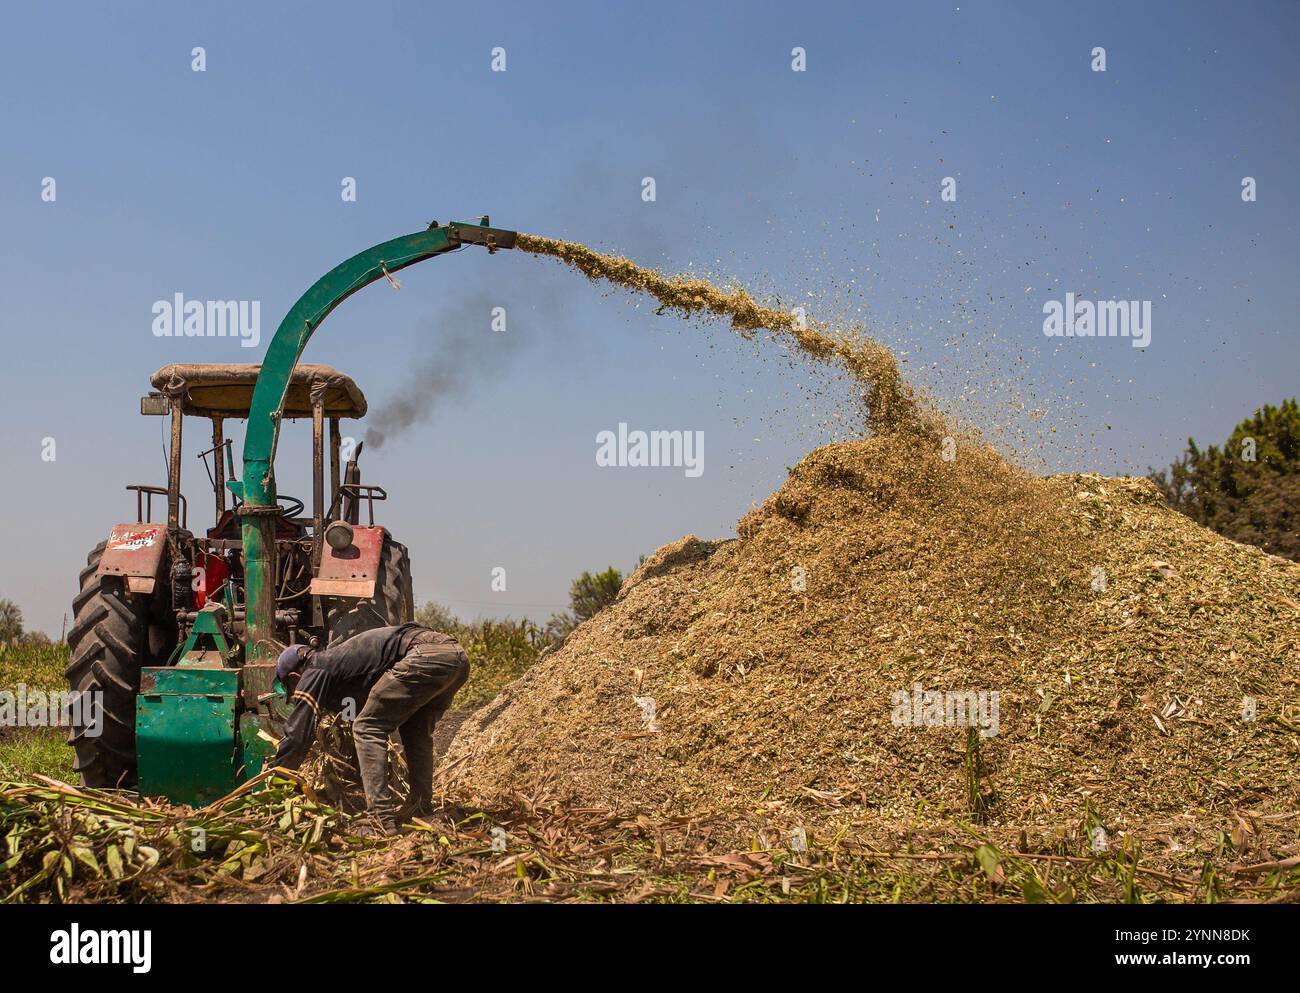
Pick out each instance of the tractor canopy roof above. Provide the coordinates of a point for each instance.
(226, 389)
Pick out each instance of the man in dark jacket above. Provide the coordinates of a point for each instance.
(393, 679)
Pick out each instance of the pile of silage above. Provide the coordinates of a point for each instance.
(1125, 663)
(1144, 667)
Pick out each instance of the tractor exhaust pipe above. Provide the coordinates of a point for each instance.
(350, 508)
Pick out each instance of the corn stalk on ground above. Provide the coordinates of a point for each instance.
(278, 842)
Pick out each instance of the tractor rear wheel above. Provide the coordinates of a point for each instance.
(109, 643)
(392, 603)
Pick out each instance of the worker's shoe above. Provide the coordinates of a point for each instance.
(410, 811)
(371, 826)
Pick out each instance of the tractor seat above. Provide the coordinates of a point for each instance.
(286, 528)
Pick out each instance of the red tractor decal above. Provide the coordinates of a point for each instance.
(135, 551)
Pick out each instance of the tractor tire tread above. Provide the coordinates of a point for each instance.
(107, 650)
(392, 603)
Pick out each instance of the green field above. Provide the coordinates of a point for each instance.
(25, 750)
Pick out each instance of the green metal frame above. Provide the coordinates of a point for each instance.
(257, 489)
(186, 728)
(209, 626)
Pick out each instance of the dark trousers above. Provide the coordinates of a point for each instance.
(409, 698)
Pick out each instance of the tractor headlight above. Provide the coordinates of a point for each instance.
(339, 536)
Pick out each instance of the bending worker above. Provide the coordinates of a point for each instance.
(395, 679)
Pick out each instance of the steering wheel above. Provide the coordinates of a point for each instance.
(290, 507)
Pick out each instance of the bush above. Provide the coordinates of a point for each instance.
(1249, 490)
(588, 596)
(11, 621)
(499, 651)
(502, 651)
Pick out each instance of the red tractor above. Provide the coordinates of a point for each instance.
(152, 586)
(176, 635)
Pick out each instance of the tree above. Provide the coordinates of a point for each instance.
(588, 595)
(1175, 484)
(436, 616)
(11, 621)
(1249, 490)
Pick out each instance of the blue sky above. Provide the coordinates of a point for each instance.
(821, 187)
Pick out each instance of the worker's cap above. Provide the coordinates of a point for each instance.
(290, 661)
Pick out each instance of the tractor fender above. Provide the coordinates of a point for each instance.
(351, 572)
(135, 552)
